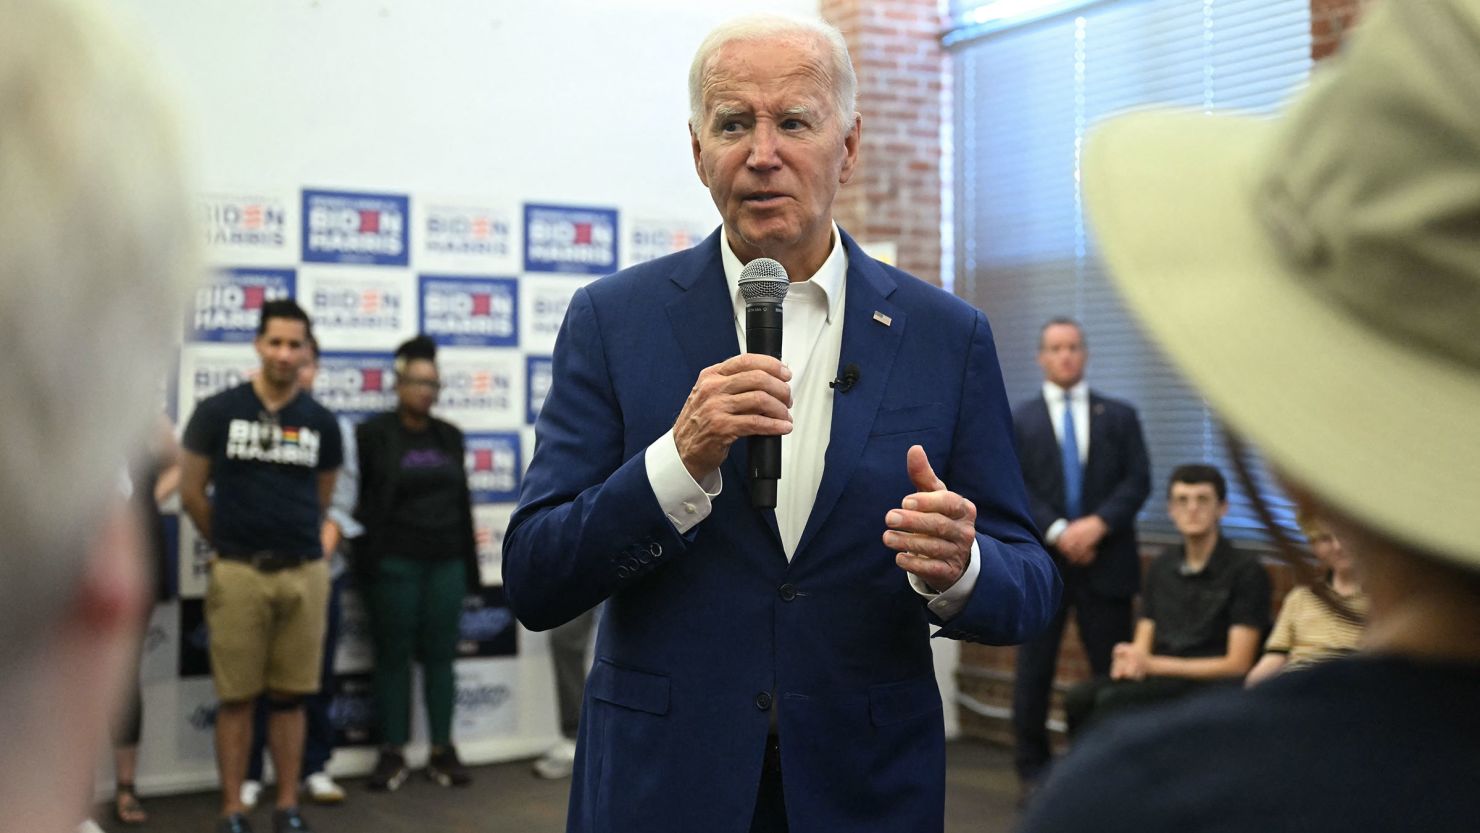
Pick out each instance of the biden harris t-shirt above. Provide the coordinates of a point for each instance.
(264, 470)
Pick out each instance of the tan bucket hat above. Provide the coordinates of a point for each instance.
(1317, 276)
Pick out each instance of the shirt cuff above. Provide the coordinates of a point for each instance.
(682, 500)
(946, 605)
(1051, 537)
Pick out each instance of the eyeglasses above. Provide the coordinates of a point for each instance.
(432, 385)
(268, 429)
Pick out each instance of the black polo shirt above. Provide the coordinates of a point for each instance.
(265, 470)
(1193, 611)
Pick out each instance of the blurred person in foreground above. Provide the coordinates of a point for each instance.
(1318, 278)
(770, 669)
(1310, 628)
(97, 250)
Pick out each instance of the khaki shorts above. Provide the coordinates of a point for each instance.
(266, 629)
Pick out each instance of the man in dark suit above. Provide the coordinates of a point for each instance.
(1084, 463)
(761, 670)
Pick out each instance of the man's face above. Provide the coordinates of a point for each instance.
(283, 348)
(1195, 508)
(1061, 355)
(771, 150)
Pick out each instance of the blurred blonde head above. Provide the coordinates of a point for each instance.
(97, 248)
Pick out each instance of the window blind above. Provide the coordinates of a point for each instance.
(1031, 78)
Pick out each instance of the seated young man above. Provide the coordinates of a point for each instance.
(1204, 608)
(1308, 628)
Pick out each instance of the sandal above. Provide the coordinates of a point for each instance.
(126, 806)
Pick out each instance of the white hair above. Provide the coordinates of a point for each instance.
(768, 26)
(97, 251)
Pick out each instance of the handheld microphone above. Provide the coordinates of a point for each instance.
(847, 380)
(763, 283)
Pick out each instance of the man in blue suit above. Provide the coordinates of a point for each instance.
(1085, 465)
(771, 670)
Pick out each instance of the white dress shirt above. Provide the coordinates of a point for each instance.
(812, 340)
(1078, 398)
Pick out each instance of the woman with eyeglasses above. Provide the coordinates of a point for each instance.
(417, 560)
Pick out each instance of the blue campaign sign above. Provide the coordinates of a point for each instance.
(469, 312)
(356, 385)
(493, 466)
(230, 305)
(570, 239)
(355, 227)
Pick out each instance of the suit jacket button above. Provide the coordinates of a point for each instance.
(656, 549)
(787, 592)
(624, 571)
(763, 701)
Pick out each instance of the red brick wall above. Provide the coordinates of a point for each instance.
(896, 191)
(1329, 22)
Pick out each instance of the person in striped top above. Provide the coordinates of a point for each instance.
(1309, 628)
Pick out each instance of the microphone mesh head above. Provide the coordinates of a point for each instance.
(763, 280)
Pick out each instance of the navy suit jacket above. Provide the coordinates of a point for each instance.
(704, 635)
(1117, 479)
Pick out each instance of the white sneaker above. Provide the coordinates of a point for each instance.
(322, 789)
(251, 791)
(558, 762)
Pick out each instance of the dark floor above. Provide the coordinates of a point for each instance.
(505, 798)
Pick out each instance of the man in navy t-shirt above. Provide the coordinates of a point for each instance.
(271, 453)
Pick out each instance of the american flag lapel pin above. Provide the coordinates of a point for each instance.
(882, 318)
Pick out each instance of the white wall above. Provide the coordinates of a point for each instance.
(555, 99)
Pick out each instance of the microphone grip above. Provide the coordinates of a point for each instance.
(763, 335)
(763, 329)
(765, 469)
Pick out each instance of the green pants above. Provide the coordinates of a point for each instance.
(415, 608)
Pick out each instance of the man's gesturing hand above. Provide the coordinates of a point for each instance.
(745, 396)
(933, 530)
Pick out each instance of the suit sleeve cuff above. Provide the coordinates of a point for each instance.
(948, 604)
(1051, 537)
(684, 501)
